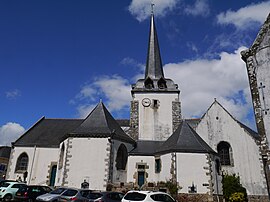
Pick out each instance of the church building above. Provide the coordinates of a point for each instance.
(156, 145)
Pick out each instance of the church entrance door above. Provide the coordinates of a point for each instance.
(141, 178)
(53, 175)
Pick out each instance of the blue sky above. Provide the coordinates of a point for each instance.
(59, 58)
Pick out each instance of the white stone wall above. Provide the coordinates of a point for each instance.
(87, 158)
(165, 173)
(39, 164)
(132, 168)
(155, 123)
(192, 168)
(59, 180)
(216, 126)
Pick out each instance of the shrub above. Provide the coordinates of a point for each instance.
(237, 197)
(232, 188)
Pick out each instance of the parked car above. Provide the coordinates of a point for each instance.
(138, 196)
(8, 189)
(75, 195)
(3, 181)
(52, 196)
(31, 192)
(105, 196)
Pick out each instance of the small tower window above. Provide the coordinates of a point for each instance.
(162, 83)
(148, 83)
(155, 103)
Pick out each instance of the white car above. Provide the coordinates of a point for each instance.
(8, 189)
(147, 196)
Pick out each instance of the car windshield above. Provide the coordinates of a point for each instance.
(70, 192)
(58, 191)
(161, 197)
(5, 184)
(135, 196)
(94, 195)
(23, 188)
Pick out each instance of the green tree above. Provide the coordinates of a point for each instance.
(232, 188)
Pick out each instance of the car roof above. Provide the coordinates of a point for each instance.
(147, 192)
(11, 182)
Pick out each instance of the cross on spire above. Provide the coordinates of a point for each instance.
(152, 7)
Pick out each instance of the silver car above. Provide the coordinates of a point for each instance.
(53, 196)
(75, 195)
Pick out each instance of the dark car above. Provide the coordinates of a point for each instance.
(31, 192)
(105, 196)
(75, 195)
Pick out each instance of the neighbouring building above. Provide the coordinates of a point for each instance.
(257, 59)
(4, 159)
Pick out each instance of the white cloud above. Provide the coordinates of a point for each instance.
(84, 110)
(200, 8)
(141, 9)
(114, 89)
(128, 61)
(13, 94)
(87, 92)
(200, 81)
(246, 16)
(10, 132)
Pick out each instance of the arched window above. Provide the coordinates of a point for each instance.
(121, 158)
(225, 153)
(22, 163)
(61, 157)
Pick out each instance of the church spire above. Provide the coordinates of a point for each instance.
(154, 68)
(154, 80)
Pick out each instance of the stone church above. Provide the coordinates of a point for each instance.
(155, 145)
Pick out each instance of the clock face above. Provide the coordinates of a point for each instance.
(146, 102)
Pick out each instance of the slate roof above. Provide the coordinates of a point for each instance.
(5, 152)
(50, 132)
(47, 132)
(254, 134)
(145, 148)
(185, 140)
(154, 68)
(100, 123)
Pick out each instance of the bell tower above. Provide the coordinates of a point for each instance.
(155, 106)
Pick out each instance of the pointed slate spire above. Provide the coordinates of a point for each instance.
(154, 80)
(154, 68)
(100, 123)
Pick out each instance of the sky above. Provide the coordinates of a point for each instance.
(58, 59)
